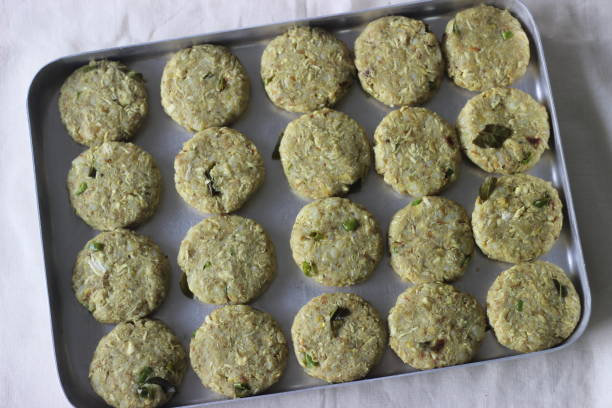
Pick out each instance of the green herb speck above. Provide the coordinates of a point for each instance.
(309, 268)
(96, 246)
(242, 389)
(526, 159)
(165, 385)
(542, 202)
(561, 289)
(486, 189)
(309, 362)
(424, 344)
(519, 305)
(506, 35)
(416, 202)
(135, 75)
(315, 236)
(221, 85)
(432, 346)
(563, 292)
(81, 189)
(350, 225)
(144, 375)
(456, 29)
(144, 392)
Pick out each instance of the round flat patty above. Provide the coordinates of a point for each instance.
(238, 351)
(139, 364)
(103, 101)
(324, 153)
(516, 218)
(227, 259)
(416, 151)
(338, 337)
(305, 69)
(114, 185)
(533, 306)
(430, 241)
(503, 130)
(120, 275)
(204, 86)
(435, 325)
(485, 47)
(217, 170)
(336, 242)
(399, 61)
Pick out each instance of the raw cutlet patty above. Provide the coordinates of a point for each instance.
(324, 153)
(416, 151)
(485, 47)
(114, 185)
(338, 337)
(533, 306)
(139, 364)
(503, 130)
(336, 242)
(227, 259)
(435, 325)
(306, 69)
(238, 351)
(430, 241)
(204, 86)
(516, 218)
(120, 275)
(399, 61)
(217, 170)
(103, 101)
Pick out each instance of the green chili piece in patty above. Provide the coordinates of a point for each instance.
(96, 246)
(242, 389)
(487, 188)
(144, 375)
(309, 268)
(81, 189)
(542, 202)
(350, 225)
(315, 236)
(561, 289)
(309, 362)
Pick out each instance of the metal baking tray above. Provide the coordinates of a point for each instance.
(76, 333)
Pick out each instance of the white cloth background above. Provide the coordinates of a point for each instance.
(577, 37)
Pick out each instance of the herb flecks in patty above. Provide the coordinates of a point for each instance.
(492, 136)
(338, 318)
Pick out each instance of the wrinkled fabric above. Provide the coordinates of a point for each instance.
(577, 37)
